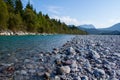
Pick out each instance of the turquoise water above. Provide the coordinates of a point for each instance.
(22, 45)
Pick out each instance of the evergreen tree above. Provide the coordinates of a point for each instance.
(10, 5)
(18, 7)
(30, 19)
(15, 22)
(29, 6)
(15, 18)
(3, 15)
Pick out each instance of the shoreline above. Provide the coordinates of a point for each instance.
(20, 33)
(88, 57)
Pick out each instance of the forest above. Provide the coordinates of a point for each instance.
(15, 18)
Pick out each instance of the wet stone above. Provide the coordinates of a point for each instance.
(65, 69)
(23, 72)
(84, 78)
(99, 73)
(71, 51)
(47, 75)
(57, 78)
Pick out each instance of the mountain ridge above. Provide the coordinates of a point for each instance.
(87, 26)
(91, 29)
(115, 27)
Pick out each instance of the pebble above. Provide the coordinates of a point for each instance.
(23, 72)
(47, 75)
(58, 62)
(57, 78)
(78, 78)
(55, 50)
(32, 71)
(68, 62)
(27, 60)
(65, 69)
(118, 72)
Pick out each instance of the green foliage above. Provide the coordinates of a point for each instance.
(30, 19)
(10, 5)
(29, 6)
(15, 22)
(3, 15)
(18, 7)
(15, 18)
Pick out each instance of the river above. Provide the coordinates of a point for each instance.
(25, 45)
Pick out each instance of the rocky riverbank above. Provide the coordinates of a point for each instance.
(90, 57)
(9, 33)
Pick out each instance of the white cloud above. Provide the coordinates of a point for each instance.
(107, 23)
(67, 19)
(102, 24)
(98, 24)
(54, 9)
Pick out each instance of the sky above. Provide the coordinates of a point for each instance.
(100, 13)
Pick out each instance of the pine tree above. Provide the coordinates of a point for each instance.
(10, 5)
(15, 22)
(30, 19)
(18, 7)
(29, 6)
(15, 18)
(3, 15)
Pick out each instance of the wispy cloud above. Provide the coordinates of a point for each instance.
(72, 21)
(67, 19)
(108, 23)
(54, 9)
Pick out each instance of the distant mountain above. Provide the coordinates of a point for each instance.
(111, 33)
(90, 29)
(87, 26)
(115, 27)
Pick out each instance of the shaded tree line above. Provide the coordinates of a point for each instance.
(13, 17)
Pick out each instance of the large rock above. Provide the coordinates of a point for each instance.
(71, 51)
(74, 66)
(87, 65)
(99, 73)
(93, 54)
(84, 78)
(65, 69)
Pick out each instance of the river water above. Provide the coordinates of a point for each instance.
(22, 45)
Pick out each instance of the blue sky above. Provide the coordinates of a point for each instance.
(101, 13)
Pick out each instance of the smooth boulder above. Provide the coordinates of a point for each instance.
(65, 69)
